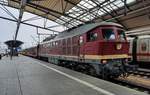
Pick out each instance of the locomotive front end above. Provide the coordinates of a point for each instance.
(114, 51)
(114, 68)
(106, 49)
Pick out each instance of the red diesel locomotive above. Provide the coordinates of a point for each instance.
(95, 48)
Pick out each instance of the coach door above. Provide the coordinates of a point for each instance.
(143, 50)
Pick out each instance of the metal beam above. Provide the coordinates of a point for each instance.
(8, 12)
(38, 14)
(22, 6)
(129, 13)
(91, 9)
(95, 8)
(125, 7)
(29, 24)
(50, 10)
(53, 26)
(32, 18)
(110, 14)
(125, 4)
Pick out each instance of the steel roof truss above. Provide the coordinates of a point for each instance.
(8, 12)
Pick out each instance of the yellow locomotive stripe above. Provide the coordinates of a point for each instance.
(106, 56)
(97, 57)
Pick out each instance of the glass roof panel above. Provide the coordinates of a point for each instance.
(87, 10)
(4, 1)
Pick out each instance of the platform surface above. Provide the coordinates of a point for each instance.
(26, 76)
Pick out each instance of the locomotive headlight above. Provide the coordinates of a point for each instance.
(103, 61)
(118, 46)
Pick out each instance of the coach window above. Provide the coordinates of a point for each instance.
(52, 44)
(143, 46)
(81, 39)
(108, 34)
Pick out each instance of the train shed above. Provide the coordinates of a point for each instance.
(132, 14)
(90, 47)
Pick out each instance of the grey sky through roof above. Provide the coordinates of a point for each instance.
(27, 34)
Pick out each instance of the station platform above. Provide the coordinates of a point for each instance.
(27, 76)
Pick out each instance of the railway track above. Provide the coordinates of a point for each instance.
(134, 82)
(139, 80)
(141, 73)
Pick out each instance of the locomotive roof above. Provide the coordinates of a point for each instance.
(81, 29)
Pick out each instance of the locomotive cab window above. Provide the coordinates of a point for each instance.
(121, 35)
(92, 36)
(108, 34)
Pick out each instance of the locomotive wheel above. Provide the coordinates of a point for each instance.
(92, 71)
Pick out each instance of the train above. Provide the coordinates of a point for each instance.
(140, 51)
(95, 48)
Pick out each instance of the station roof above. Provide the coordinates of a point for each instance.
(131, 14)
(70, 12)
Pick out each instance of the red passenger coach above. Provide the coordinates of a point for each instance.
(96, 48)
(32, 52)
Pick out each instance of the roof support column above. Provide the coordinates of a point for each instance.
(22, 6)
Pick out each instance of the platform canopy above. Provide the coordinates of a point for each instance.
(12, 43)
